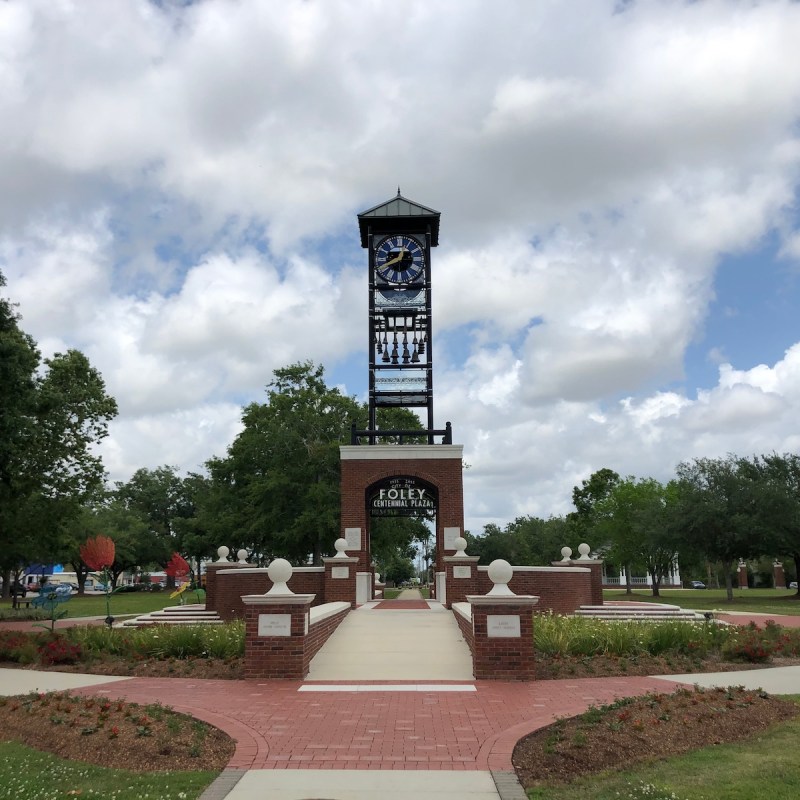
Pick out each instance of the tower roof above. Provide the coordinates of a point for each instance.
(398, 215)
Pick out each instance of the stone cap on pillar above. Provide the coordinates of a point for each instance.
(583, 558)
(341, 556)
(277, 599)
(502, 600)
(460, 543)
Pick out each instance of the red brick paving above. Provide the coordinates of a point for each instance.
(277, 727)
(401, 605)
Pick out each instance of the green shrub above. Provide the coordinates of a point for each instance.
(748, 645)
(580, 636)
(17, 647)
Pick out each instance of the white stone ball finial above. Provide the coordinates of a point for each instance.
(222, 552)
(500, 573)
(460, 543)
(279, 571)
(584, 550)
(341, 548)
(242, 556)
(566, 553)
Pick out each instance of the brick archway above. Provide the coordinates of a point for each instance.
(439, 466)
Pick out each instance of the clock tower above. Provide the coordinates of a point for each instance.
(391, 473)
(398, 236)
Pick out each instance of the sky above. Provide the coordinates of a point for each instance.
(618, 272)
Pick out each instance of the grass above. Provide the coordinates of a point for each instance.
(94, 605)
(757, 601)
(765, 766)
(34, 775)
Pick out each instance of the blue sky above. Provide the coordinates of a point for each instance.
(618, 264)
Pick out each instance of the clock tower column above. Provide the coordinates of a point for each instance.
(400, 472)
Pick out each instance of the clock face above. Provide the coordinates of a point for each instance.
(399, 259)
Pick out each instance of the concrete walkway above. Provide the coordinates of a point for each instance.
(390, 735)
(400, 645)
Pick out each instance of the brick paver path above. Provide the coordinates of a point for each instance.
(277, 727)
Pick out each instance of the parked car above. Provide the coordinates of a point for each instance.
(697, 585)
(793, 585)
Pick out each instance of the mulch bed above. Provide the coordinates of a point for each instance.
(654, 726)
(112, 733)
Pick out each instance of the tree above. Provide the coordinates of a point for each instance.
(525, 541)
(51, 421)
(720, 510)
(278, 487)
(585, 498)
(781, 504)
(159, 497)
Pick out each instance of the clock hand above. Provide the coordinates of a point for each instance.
(396, 259)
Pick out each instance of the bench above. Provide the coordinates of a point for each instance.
(18, 600)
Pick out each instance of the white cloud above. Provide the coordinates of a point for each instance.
(181, 184)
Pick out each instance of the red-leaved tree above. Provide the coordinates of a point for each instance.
(177, 566)
(98, 553)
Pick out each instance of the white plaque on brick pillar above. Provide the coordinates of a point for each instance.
(340, 572)
(274, 624)
(353, 538)
(503, 626)
(450, 536)
(462, 572)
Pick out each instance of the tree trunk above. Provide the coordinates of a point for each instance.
(796, 572)
(729, 581)
(6, 584)
(628, 586)
(656, 584)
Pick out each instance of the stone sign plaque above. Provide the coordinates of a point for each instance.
(462, 572)
(274, 624)
(340, 572)
(450, 536)
(353, 537)
(503, 626)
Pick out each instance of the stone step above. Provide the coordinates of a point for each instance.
(174, 615)
(651, 612)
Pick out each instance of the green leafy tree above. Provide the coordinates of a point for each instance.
(781, 505)
(720, 511)
(159, 497)
(53, 415)
(636, 523)
(585, 498)
(277, 490)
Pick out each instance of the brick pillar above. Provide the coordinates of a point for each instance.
(742, 574)
(212, 569)
(340, 579)
(276, 634)
(778, 575)
(595, 567)
(461, 578)
(503, 631)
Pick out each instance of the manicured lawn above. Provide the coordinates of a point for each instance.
(766, 766)
(126, 603)
(758, 601)
(30, 774)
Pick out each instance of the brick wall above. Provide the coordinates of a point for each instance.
(284, 657)
(319, 633)
(230, 585)
(562, 591)
(465, 626)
